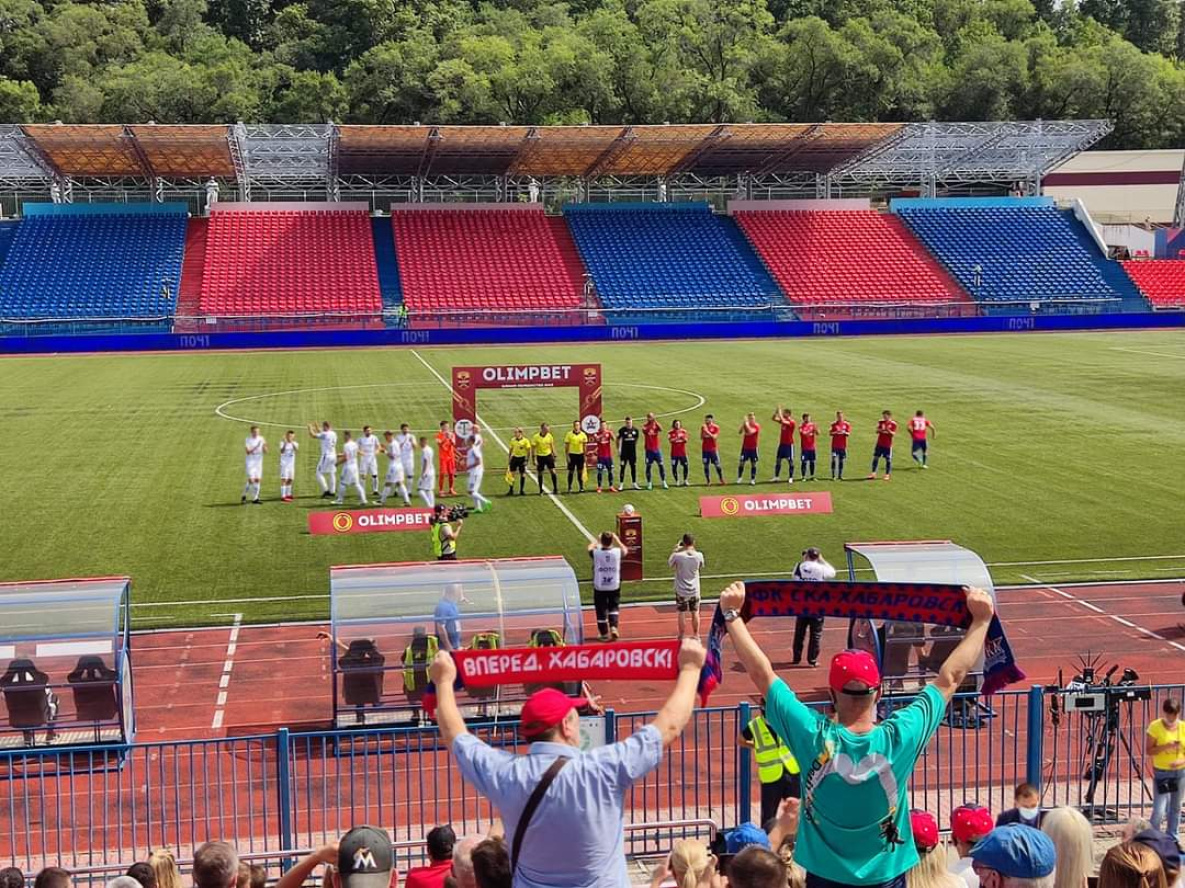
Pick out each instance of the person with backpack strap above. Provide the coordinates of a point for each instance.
(563, 806)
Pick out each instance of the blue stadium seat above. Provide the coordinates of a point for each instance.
(676, 255)
(1023, 251)
(112, 261)
(7, 234)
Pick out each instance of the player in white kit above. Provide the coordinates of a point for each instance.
(475, 463)
(426, 483)
(256, 447)
(327, 464)
(368, 458)
(288, 448)
(406, 442)
(396, 479)
(349, 463)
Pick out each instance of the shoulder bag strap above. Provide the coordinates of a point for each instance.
(532, 803)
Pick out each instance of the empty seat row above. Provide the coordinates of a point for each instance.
(1162, 281)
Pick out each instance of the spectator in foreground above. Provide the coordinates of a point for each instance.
(164, 865)
(123, 882)
(689, 862)
(1133, 826)
(491, 864)
(1166, 848)
(11, 877)
(52, 877)
(573, 834)
(215, 865)
(968, 825)
(441, 842)
(1073, 839)
(1015, 856)
(756, 867)
(364, 858)
(1131, 865)
(930, 871)
(854, 826)
(1026, 807)
(141, 872)
(463, 861)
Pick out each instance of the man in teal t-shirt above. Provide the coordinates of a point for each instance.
(854, 826)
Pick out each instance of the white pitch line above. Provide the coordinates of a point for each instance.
(232, 644)
(1140, 351)
(1122, 621)
(567, 513)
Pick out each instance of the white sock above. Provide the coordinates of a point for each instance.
(386, 493)
(246, 488)
(321, 482)
(403, 493)
(428, 497)
(361, 491)
(374, 481)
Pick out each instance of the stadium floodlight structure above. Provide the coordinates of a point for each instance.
(421, 163)
(65, 664)
(925, 561)
(383, 629)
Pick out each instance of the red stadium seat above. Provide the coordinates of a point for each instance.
(1161, 280)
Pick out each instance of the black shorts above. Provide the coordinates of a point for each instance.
(808, 455)
(687, 605)
(711, 457)
(629, 456)
(575, 460)
(545, 463)
(886, 452)
(786, 451)
(920, 445)
(518, 463)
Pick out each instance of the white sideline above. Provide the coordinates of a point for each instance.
(232, 646)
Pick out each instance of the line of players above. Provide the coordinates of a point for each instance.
(542, 447)
(407, 457)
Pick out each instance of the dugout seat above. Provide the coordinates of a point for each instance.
(92, 684)
(27, 698)
(362, 675)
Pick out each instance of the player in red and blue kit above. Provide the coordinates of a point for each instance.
(807, 432)
(785, 419)
(604, 439)
(678, 437)
(650, 441)
(750, 429)
(709, 437)
(885, 430)
(840, 430)
(920, 429)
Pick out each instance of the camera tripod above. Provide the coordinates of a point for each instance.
(1102, 731)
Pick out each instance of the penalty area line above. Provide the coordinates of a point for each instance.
(559, 505)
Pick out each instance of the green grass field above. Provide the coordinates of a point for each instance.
(1059, 448)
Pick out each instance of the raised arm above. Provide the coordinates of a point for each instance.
(443, 673)
(313, 432)
(756, 663)
(299, 874)
(963, 658)
(676, 712)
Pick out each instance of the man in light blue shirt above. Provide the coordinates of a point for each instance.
(575, 837)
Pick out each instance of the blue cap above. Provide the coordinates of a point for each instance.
(1016, 851)
(741, 837)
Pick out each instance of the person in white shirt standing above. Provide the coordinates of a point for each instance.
(426, 479)
(288, 448)
(349, 464)
(687, 561)
(327, 463)
(406, 442)
(256, 447)
(476, 467)
(606, 557)
(368, 458)
(396, 479)
(815, 569)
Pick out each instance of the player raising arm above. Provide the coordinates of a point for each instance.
(807, 432)
(406, 443)
(327, 463)
(749, 431)
(396, 478)
(651, 429)
(785, 419)
(841, 429)
(288, 448)
(349, 464)
(256, 447)
(709, 442)
(920, 429)
(885, 430)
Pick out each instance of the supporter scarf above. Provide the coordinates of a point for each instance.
(939, 604)
(623, 660)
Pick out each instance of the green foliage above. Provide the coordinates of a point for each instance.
(597, 61)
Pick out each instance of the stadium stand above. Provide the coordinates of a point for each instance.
(290, 259)
(1016, 250)
(7, 233)
(94, 261)
(388, 266)
(837, 253)
(486, 258)
(647, 256)
(189, 297)
(1162, 281)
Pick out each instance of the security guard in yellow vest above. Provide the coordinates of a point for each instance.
(776, 767)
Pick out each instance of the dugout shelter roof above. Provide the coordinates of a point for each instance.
(332, 155)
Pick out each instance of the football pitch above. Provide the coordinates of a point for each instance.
(1057, 457)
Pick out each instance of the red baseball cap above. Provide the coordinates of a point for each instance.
(925, 830)
(970, 823)
(848, 666)
(545, 709)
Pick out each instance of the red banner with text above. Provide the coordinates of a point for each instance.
(369, 521)
(754, 505)
(585, 377)
(623, 660)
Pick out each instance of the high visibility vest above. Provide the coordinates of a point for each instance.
(417, 656)
(438, 541)
(485, 641)
(770, 753)
(545, 638)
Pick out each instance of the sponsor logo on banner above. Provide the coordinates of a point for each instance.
(591, 424)
(463, 379)
(622, 660)
(752, 505)
(369, 521)
(528, 375)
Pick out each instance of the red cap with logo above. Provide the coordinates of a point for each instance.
(970, 823)
(925, 830)
(848, 666)
(545, 709)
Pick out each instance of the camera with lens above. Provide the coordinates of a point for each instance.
(446, 512)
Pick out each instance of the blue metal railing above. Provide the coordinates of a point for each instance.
(279, 792)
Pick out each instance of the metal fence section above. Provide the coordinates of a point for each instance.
(271, 794)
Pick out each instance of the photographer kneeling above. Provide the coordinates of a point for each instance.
(444, 535)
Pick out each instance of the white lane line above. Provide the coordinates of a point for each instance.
(1140, 351)
(1122, 621)
(1087, 561)
(228, 666)
(567, 513)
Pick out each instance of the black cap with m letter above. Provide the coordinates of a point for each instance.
(365, 858)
